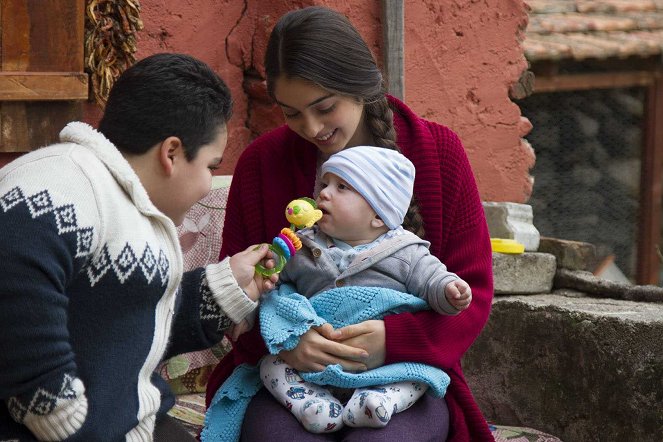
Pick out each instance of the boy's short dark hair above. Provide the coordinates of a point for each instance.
(166, 95)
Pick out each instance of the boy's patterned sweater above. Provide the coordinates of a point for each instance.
(92, 296)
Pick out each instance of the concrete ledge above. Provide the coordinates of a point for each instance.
(524, 273)
(583, 369)
(602, 288)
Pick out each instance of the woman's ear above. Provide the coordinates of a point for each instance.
(170, 151)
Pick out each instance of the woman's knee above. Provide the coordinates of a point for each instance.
(267, 420)
(426, 420)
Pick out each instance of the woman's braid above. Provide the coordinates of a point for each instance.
(380, 121)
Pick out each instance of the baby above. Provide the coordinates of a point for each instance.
(366, 192)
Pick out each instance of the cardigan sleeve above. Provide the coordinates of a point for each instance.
(210, 302)
(428, 278)
(42, 248)
(426, 336)
(243, 219)
(242, 227)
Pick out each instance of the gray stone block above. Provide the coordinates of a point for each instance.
(512, 221)
(583, 369)
(573, 255)
(522, 274)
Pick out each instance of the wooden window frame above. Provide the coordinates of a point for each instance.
(43, 86)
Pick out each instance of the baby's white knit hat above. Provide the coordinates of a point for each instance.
(384, 177)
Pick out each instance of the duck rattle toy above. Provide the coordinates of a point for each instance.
(300, 213)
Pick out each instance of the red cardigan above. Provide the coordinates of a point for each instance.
(280, 166)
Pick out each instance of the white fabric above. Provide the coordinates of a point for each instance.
(316, 408)
(375, 406)
(313, 405)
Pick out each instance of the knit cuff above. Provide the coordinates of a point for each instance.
(227, 293)
(66, 417)
(440, 303)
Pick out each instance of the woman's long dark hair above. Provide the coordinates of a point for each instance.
(320, 45)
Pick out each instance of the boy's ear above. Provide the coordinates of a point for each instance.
(170, 151)
(377, 223)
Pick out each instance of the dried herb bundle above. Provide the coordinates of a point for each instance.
(110, 42)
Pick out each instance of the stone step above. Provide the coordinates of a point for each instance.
(523, 273)
(584, 369)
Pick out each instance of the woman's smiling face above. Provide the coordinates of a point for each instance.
(332, 122)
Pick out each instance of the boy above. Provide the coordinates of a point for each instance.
(92, 295)
(359, 241)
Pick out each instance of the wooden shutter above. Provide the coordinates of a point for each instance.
(42, 81)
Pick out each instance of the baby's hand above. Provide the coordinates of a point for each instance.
(458, 294)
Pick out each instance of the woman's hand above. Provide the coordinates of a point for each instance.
(368, 335)
(243, 265)
(316, 350)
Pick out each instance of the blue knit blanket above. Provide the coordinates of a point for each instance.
(284, 317)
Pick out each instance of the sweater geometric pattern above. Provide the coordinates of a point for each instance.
(44, 402)
(126, 263)
(65, 216)
(92, 296)
(65, 219)
(210, 312)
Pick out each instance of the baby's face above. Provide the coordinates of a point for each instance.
(345, 213)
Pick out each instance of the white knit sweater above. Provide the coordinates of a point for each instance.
(92, 295)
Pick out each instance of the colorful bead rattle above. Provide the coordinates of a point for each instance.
(301, 213)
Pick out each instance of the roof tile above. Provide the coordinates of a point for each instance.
(581, 29)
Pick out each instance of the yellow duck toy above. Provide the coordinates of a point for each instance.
(302, 213)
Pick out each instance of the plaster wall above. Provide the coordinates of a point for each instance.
(461, 56)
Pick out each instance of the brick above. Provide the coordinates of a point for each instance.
(572, 255)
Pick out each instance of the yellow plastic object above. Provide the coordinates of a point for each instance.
(510, 246)
(302, 213)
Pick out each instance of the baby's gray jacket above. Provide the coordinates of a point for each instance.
(401, 263)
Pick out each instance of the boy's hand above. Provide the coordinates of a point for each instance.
(243, 267)
(458, 294)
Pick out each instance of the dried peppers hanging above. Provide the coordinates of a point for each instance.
(110, 42)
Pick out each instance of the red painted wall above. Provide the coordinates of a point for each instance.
(460, 58)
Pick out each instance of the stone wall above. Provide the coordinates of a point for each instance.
(583, 369)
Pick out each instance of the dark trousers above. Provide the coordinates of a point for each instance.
(267, 420)
(167, 429)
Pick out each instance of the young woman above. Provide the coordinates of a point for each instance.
(325, 79)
